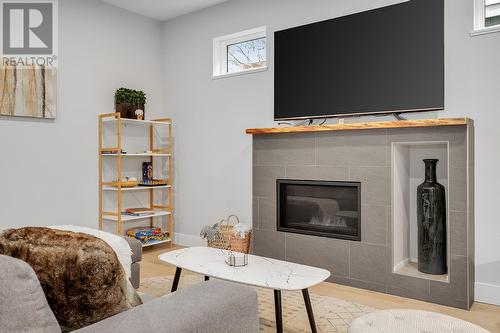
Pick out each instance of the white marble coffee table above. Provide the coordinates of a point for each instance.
(260, 272)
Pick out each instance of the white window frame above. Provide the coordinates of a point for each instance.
(480, 19)
(220, 45)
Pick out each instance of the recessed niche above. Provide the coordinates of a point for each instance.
(407, 174)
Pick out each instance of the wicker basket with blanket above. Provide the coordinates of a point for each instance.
(228, 234)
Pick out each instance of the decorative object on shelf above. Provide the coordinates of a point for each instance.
(128, 101)
(226, 235)
(147, 235)
(127, 182)
(112, 151)
(237, 259)
(147, 172)
(28, 91)
(139, 212)
(431, 223)
(154, 182)
(139, 114)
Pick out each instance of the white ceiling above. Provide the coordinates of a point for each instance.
(163, 9)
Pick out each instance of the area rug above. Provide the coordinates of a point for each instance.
(331, 314)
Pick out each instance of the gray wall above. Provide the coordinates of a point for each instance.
(213, 156)
(49, 168)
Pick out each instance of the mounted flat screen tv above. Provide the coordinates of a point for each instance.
(386, 60)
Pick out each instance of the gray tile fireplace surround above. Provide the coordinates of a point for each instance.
(366, 156)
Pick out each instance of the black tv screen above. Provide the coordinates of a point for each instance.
(387, 60)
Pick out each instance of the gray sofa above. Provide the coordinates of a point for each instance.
(212, 306)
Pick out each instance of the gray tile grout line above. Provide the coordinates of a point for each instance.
(349, 258)
(286, 236)
(316, 157)
(258, 213)
(388, 222)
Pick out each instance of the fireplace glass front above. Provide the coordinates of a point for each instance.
(321, 208)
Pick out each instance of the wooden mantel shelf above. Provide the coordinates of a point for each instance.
(363, 126)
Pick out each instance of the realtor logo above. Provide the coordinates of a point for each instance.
(27, 28)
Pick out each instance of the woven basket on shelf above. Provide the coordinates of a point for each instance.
(226, 239)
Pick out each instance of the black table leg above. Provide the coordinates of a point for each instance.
(277, 310)
(309, 308)
(177, 277)
(207, 278)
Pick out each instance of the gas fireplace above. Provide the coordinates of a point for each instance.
(320, 208)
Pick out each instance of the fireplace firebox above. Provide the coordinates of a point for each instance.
(321, 208)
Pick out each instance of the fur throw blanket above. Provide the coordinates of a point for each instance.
(80, 274)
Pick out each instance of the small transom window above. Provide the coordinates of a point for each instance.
(486, 16)
(492, 13)
(242, 52)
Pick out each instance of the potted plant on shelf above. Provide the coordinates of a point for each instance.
(127, 101)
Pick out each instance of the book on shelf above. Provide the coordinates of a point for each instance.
(112, 151)
(139, 211)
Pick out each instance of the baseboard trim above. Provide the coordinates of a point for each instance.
(487, 293)
(188, 240)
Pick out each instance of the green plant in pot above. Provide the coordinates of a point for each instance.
(127, 101)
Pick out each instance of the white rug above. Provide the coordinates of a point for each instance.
(331, 314)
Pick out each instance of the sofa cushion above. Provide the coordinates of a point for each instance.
(208, 307)
(23, 306)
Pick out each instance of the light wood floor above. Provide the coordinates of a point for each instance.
(487, 316)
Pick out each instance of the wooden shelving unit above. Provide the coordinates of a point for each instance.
(163, 155)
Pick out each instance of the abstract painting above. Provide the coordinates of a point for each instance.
(28, 91)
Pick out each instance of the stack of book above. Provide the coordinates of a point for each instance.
(138, 212)
(112, 151)
(147, 234)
